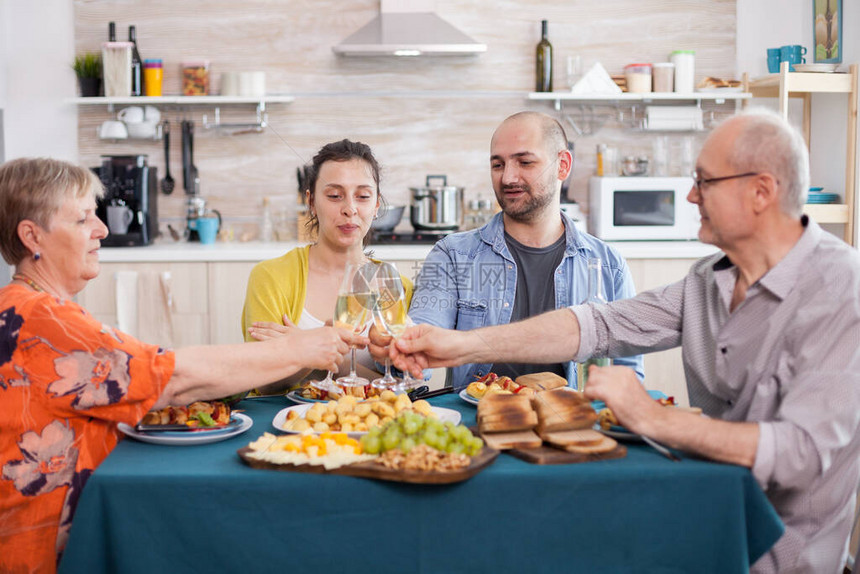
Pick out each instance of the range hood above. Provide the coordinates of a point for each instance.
(408, 28)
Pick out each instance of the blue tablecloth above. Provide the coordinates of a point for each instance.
(151, 508)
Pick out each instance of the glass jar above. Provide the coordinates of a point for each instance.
(153, 77)
(195, 78)
(638, 78)
(663, 74)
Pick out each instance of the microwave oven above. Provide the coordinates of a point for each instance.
(642, 209)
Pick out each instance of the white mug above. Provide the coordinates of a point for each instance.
(119, 217)
(131, 115)
(112, 130)
(151, 114)
(145, 129)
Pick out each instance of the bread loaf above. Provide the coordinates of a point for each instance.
(563, 409)
(498, 413)
(542, 381)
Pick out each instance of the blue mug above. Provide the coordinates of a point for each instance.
(793, 55)
(773, 60)
(207, 229)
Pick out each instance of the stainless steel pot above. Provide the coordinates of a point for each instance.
(436, 207)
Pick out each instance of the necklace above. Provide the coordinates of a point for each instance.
(32, 284)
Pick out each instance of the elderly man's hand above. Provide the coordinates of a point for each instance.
(426, 346)
(620, 389)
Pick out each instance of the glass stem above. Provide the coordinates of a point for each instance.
(352, 373)
(387, 368)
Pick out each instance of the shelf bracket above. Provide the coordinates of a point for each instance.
(257, 127)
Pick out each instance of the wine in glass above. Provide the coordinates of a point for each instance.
(353, 310)
(389, 314)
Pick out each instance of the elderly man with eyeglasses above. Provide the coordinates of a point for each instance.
(770, 330)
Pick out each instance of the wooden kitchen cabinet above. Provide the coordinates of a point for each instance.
(664, 371)
(189, 296)
(227, 285)
(785, 85)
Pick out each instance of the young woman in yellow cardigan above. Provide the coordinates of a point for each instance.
(299, 289)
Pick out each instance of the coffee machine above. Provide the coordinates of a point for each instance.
(129, 207)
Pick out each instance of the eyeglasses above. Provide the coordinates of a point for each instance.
(700, 181)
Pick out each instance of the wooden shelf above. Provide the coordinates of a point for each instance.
(801, 83)
(785, 85)
(827, 213)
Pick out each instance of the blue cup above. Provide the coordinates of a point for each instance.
(207, 229)
(793, 55)
(773, 60)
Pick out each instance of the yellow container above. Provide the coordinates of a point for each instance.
(153, 77)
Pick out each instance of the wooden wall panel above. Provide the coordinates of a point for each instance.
(412, 136)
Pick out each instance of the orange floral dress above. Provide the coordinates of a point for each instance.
(66, 380)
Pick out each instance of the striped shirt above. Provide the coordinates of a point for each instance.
(788, 358)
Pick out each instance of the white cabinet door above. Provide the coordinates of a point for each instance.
(227, 285)
(664, 371)
(188, 298)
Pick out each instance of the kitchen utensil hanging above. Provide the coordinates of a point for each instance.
(167, 184)
(238, 128)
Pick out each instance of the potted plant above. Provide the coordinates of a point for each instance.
(88, 68)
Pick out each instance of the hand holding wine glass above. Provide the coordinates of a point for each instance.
(389, 313)
(353, 310)
(390, 316)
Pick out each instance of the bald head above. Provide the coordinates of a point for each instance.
(764, 142)
(552, 134)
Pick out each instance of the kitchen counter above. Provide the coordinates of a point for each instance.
(258, 251)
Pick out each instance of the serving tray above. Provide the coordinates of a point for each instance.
(370, 469)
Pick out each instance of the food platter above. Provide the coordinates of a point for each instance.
(239, 423)
(443, 414)
(296, 397)
(468, 398)
(370, 469)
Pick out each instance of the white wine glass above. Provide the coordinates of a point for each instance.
(391, 315)
(353, 310)
(388, 314)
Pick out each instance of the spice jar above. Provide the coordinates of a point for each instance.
(153, 77)
(195, 78)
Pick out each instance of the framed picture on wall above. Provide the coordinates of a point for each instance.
(827, 31)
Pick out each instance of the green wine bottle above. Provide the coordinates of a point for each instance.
(543, 62)
(595, 296)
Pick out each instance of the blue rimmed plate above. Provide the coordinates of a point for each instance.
(239, 423)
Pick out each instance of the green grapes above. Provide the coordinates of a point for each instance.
(411, 429)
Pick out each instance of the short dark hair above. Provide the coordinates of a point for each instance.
(344, 150)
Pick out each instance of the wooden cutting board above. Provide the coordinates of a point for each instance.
(551, 455)
(370, 469)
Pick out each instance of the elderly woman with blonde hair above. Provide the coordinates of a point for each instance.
(66, 379)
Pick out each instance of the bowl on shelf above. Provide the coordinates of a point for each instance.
(388, 217)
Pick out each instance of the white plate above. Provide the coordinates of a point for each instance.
(468, 398)
(619, 433)
(239, 423)
(822, 68)
(443, 414)
(728, 89)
